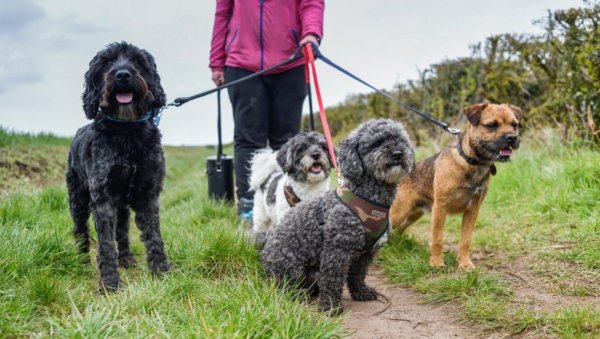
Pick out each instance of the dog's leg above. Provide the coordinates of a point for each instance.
(334, 267)
(438, 219)
(403, 211)
(79, 205)
(104, 216)
(356, 278)
(466, 232)
(126, 259)
(147, 220)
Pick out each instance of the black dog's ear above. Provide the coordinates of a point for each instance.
(160, 98)
(284, 158)
(349, 159)
(517, 111)
(473, 112)
(92, 88)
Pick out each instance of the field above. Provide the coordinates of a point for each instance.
(536, 246)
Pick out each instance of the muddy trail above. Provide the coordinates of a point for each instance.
(404, 316)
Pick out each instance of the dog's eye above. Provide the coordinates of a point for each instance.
(301, 149)
(491, 126)
(515, 125)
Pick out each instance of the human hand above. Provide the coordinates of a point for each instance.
(310, 38)
(218, 77)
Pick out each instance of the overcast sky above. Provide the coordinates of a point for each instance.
(45, 48)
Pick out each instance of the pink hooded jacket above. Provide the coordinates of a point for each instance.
(256, 34)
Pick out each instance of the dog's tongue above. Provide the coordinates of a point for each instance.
(124, 98)
(316, 168)
(507, 152)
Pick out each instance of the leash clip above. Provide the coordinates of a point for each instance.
(452, 130)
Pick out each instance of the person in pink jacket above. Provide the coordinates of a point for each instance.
(249, 36)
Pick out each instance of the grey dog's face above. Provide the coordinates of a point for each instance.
(378, 148)
(305, 157)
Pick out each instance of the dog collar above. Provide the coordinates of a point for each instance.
(374, 217)
(473, 161)
(290, 195)
(150, 114)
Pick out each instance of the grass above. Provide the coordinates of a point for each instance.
(216, 288)
(540, 223)
(537, 236)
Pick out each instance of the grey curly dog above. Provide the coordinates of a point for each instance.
(322, 241)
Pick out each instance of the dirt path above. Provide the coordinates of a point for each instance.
(406, 316)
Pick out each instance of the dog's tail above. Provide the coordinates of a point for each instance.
(262, 165)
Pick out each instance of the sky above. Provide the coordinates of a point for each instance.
(46, 46)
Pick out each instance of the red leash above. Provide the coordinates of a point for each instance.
(309, 59)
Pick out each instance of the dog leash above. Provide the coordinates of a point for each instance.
(310, 61)
(453, 131)
(182, 100)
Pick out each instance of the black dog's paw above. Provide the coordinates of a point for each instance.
(332, 309)
(364, 293)
(160, 267)
(127, 261)
(109, 285)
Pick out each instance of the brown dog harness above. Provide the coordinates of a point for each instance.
(290, 196)
(373, 216)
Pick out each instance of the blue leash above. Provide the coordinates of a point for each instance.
(454, 131)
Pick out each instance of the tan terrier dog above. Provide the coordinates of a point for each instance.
(456, 179)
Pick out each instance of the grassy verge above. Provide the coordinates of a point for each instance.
(536, 246)
(216, 288)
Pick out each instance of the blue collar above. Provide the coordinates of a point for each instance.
(149, 115)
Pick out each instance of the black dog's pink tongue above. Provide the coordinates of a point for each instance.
(506, 152)
(124, 98)
(316, 168)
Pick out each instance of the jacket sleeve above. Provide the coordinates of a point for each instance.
(311, 17)
(217, 45)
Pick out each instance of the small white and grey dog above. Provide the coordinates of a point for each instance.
(332, 239)
(298, 171)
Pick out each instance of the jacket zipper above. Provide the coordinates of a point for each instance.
(262, 51)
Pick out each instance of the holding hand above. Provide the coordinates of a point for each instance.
(218, 77)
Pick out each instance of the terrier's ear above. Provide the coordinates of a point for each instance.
(284, 158)
(473, 112)
(517, 111)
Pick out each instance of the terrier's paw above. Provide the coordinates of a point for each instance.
(465, 264)
(436, 261)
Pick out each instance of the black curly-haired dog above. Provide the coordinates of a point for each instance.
(116, 163)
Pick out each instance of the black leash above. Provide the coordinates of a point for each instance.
(220, 144)
(180, 101)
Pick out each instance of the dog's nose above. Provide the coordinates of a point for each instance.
(123, 76)
(510, 138)
(316, 155)
(397, 155)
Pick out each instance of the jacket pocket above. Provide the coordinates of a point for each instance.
(235, 34)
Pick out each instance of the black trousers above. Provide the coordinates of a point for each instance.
(267, 111)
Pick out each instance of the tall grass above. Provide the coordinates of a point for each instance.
(216, 288)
